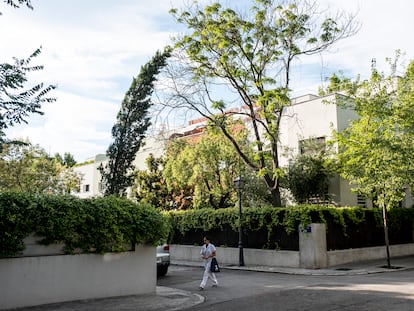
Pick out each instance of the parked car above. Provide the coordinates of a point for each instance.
(163, 259)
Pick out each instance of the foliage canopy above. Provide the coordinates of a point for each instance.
(28, 168)
(376, 151)
(106, 224)
(17, 101)
(249, 56)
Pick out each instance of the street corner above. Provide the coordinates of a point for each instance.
(175, 299)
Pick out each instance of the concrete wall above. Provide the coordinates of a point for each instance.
(230, 256)
(340, 257)
(30, 281)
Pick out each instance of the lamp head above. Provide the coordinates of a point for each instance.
(239, 183)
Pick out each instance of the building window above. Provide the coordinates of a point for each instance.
(101, 187)
(85, 188)
(312, 145)
(322, 198)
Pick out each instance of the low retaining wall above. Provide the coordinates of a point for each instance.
(230, 256)
(290, 259)
(339, 257)
(30, 281)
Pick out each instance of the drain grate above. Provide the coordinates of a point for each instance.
(343, 269)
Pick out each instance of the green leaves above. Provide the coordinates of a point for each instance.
(98, 225)
(204, 169)
(330, 30)
(376, 151)
(16, 222)
(307, 178)
(28, 168)
(149, 186)
(268, 218)
(17, 103)
(253, 55)
(132, 123)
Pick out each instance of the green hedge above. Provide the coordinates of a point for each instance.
(344, 224)
(106, 224)
(261, 217)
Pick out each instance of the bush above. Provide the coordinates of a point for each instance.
(107, 224)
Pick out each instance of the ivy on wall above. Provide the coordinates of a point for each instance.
(270, 218)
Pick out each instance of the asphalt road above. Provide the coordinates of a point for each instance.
(247, 290)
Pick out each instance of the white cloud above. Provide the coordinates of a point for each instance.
(91, 52)
(385, 28)
(75, 124)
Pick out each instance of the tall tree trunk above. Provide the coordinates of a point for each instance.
(276, 200)
(387, 242)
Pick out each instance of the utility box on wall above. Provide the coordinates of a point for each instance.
(312, 246)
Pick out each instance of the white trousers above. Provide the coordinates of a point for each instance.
(207, 274)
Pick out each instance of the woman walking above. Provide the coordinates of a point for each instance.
(208, 251)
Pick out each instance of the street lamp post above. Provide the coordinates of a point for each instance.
(239, 185)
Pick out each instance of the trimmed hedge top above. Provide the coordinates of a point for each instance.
(105, 224)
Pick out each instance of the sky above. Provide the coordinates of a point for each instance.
(92, 50)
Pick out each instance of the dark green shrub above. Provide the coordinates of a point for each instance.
(268, 227)
(16, 221)
(107, 224)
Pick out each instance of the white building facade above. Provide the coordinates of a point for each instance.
(310, 117)
(91, 183)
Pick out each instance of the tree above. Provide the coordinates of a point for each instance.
(67, 160)
(129, 131)
(307, 178)
(16, 4)
(207, 166)
(149, 185)
(376, 152)
(175, 177)
(204, 168)
(336, 84)
(28, 168)
(252, 56)
(16, 102)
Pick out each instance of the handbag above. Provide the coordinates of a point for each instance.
(214, 267)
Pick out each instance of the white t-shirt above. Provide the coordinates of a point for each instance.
(207, 251)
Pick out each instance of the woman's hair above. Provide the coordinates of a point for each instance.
(207, 237)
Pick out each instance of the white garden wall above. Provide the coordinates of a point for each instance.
(230, 256)
(30, 281)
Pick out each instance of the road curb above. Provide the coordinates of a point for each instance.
(337, 271)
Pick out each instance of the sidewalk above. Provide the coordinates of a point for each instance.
(167, 298)
(164, 299)
(367, 267)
